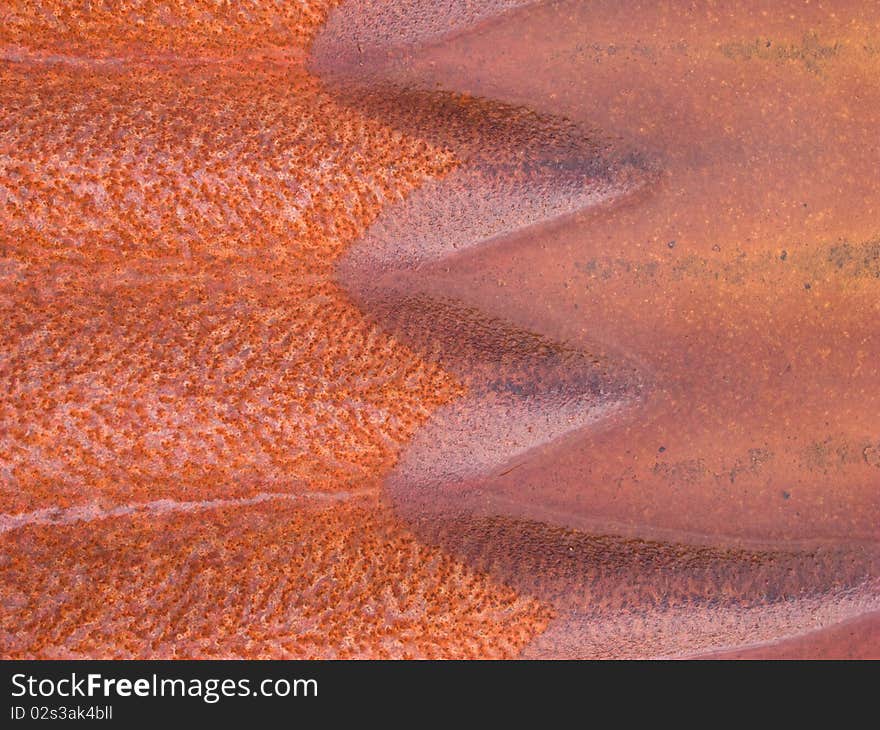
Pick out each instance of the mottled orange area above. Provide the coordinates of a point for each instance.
(199, 28)
(194, 418)
(275, 580)
(545, 329)
(196, 165)
(169, 325)
(199, 388)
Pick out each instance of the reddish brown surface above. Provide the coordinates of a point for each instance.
(169, 318)
(713, 482)
(177, 29)
(596, 375)
(172, 337)
(279, 579)
(858, 638)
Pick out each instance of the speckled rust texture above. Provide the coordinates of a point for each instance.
(172, 336)
(169, 322)
(475, 328)
(188, 28)
(271, 580)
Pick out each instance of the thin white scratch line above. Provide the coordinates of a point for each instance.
(91, 512)
(22, 55)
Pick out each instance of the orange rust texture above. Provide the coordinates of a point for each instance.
(170, 332)
(173, 200)
(169, 321)
(194, 28)
(266, 581)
